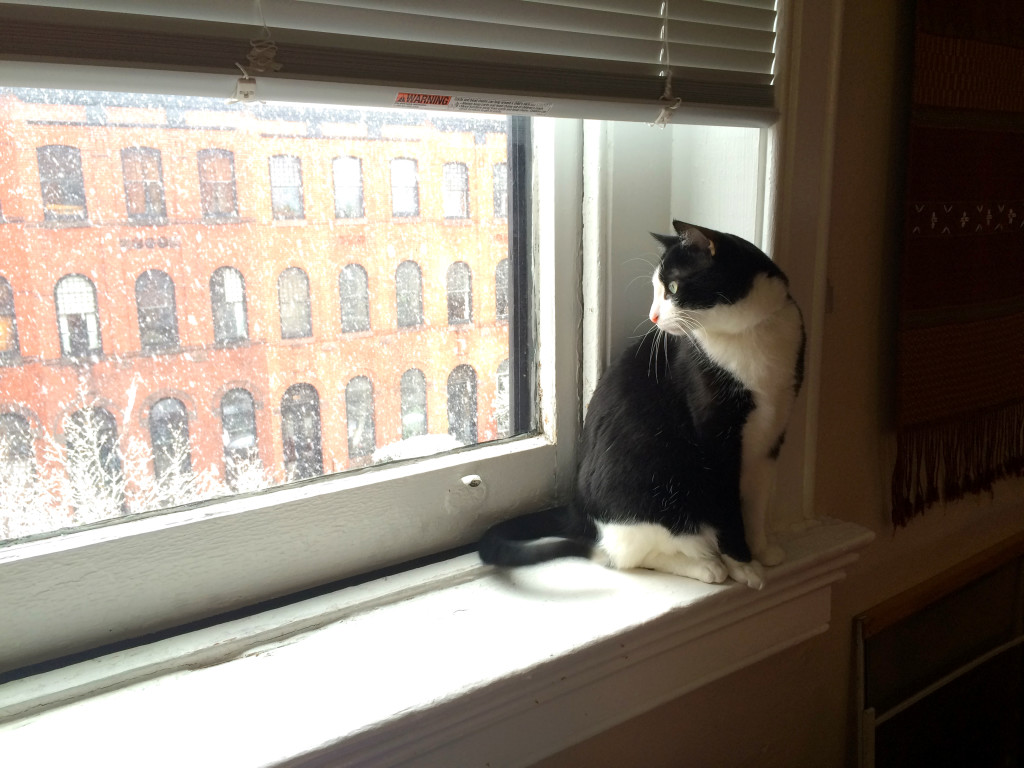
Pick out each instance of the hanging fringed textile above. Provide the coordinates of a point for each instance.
(961, 314)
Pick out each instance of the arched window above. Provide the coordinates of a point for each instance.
(61, 183)
(362, 433)
(78, 316)
(238, 430)
(94, 462)
(9, 347)
(293, 304)
(227, 298)
(460, 294)
(501, 290)
(414, 403)
(217, 195)
(353, 288)
(143, 183)
(409, 294)
(17, 459)
(405, 188)
(348, 187)
(500, 190)
(168, 434)
(300, 432)
(455, 191)
(158, 317)
(462, 404)
(286, 187)
(502, 401)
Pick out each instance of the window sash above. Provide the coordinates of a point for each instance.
(233, 536)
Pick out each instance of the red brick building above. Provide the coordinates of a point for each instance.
(317, 282)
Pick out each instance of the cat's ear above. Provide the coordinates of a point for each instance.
(698, 236)
(667, 241)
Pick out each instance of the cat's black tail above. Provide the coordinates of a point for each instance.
(538, 537)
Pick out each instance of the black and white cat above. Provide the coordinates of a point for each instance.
(680, 441)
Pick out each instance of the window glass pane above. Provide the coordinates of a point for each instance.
(236, 388)
(500, 190)
(405, 190)
(143, 183)
(217, 182)
(243, 469)
(300, 432)
(460, 294)
(286, 187)
(456, 191)
(158, 320)
(293, 300)
(168, 430)
(462, 416)
(501, 290)
(414, 403)
(409, 294)
(9, 349)
(227, 300)
(355, 299)
(362, 437)
(78, 316)
(61, 183)
(348, 187)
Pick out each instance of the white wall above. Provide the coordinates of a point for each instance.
(795, 709)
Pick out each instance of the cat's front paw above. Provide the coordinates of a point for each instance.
(751, 574)
(772, 554)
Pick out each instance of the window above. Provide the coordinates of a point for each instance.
(217, 183)
(348, 187)
(500, 190)
(293, 303)
(17, 458)
(456, 191)
(462, 404)
(286, 187)
(460, 294)
(168, 434)
(362, 434)
(414, 403)
(61, 182)
(502, 401)
(409, 294)
(501, 290)
(9, 349)
(300, 432)
(94, 465)
(227, 297)
(143, 183)
(238, 430)
(405, 189)
(355, 299)
(77, 317)
(158, 318)
(257, 412)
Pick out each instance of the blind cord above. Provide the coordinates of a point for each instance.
(671, 102)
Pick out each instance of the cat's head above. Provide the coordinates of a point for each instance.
(704, 277)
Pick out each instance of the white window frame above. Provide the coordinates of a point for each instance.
(116, 582)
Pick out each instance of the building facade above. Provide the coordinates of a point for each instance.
(300, 286)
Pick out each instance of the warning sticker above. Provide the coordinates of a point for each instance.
(504, 105)
(405, 99)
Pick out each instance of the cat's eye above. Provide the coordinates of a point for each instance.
(673, 287)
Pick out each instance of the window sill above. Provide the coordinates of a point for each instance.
(470, 659)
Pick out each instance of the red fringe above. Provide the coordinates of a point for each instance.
(947, 460)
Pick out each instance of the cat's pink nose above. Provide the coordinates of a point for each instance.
(654, 316)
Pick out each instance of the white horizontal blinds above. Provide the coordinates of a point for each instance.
(729, 40)
(585, 51)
